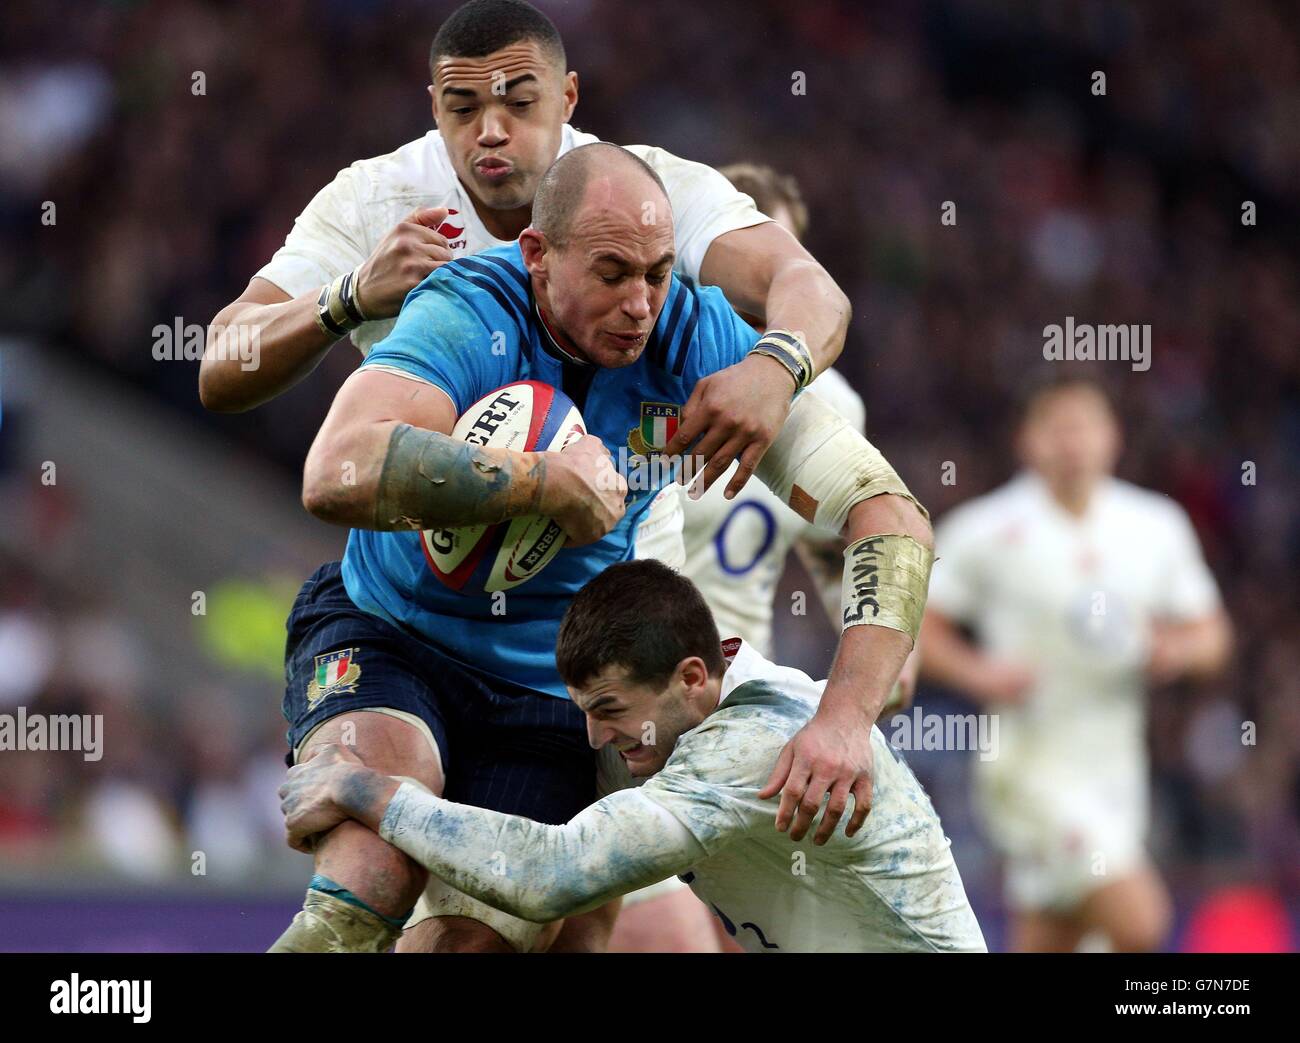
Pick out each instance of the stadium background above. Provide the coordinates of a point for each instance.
(1122, 208)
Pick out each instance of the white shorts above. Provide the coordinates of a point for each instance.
(1063, 835)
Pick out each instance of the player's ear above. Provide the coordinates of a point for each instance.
(532, 244)
(570, 94)
(433, 104)
(693, 672)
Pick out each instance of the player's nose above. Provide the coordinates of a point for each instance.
(596, 737)
(492, 133)
(636, 302)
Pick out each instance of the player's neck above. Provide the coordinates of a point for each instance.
(502, 224)
(1074, 499)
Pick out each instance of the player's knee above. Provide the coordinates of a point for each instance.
(385, 743)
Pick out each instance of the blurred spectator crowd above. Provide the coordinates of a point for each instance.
(1118, 208)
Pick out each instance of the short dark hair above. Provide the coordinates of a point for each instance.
(770, 190)
(642, 616)
(483, 27)
(560, 191)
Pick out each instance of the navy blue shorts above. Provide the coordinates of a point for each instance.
(503, 747)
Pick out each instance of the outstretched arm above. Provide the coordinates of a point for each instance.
(535, 871)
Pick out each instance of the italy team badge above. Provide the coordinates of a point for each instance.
(336, 672)
(658, 425)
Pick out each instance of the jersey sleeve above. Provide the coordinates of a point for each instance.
(536, 871)
(956, 584)
(326, 240)
(705, 205)
(1188, 590)
(453, 336)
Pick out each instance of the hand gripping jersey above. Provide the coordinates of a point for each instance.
(471, 327)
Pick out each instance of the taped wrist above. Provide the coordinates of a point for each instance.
(886, 578)
(337, 310)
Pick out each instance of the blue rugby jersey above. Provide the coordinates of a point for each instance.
(469, 328)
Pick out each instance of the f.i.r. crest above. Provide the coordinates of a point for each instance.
(658, 425)
(335, 672)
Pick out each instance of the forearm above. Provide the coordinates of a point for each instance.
(391, 476)
(535, 871)
(256, 351)
(870, 656)
(802, 297)
(947, 657)
(1205, 646)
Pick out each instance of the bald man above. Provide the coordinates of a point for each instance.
(475, 710)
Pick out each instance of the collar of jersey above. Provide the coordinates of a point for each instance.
(551, 340)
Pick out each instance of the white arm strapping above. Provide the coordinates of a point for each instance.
(821, 467)
(535, 871)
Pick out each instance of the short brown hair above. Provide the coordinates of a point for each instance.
(642, 616)
(770, 191)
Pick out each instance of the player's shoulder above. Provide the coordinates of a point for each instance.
(417, 172)
(985, 512)
(1136, 504)
(492, 284)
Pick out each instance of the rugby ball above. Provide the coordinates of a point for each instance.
(526, 416)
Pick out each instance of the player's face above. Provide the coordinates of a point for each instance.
(606, 287)
(501, 117)
(1070, 437)
(642, 723)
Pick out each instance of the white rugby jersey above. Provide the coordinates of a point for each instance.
(736, 549)
(1072, 599)
(892, 887)
(346, 220)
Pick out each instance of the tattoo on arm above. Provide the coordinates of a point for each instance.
(431, 480)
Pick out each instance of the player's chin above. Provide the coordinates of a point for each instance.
(611, 350)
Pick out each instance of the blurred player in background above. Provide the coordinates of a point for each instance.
(1080, 590)
(502, 99)
(736, 550)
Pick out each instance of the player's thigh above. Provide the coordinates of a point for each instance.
(519, 753)
(1134, 912)
(671, 921)
(354, 680)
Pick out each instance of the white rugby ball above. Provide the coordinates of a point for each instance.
(525, 416)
